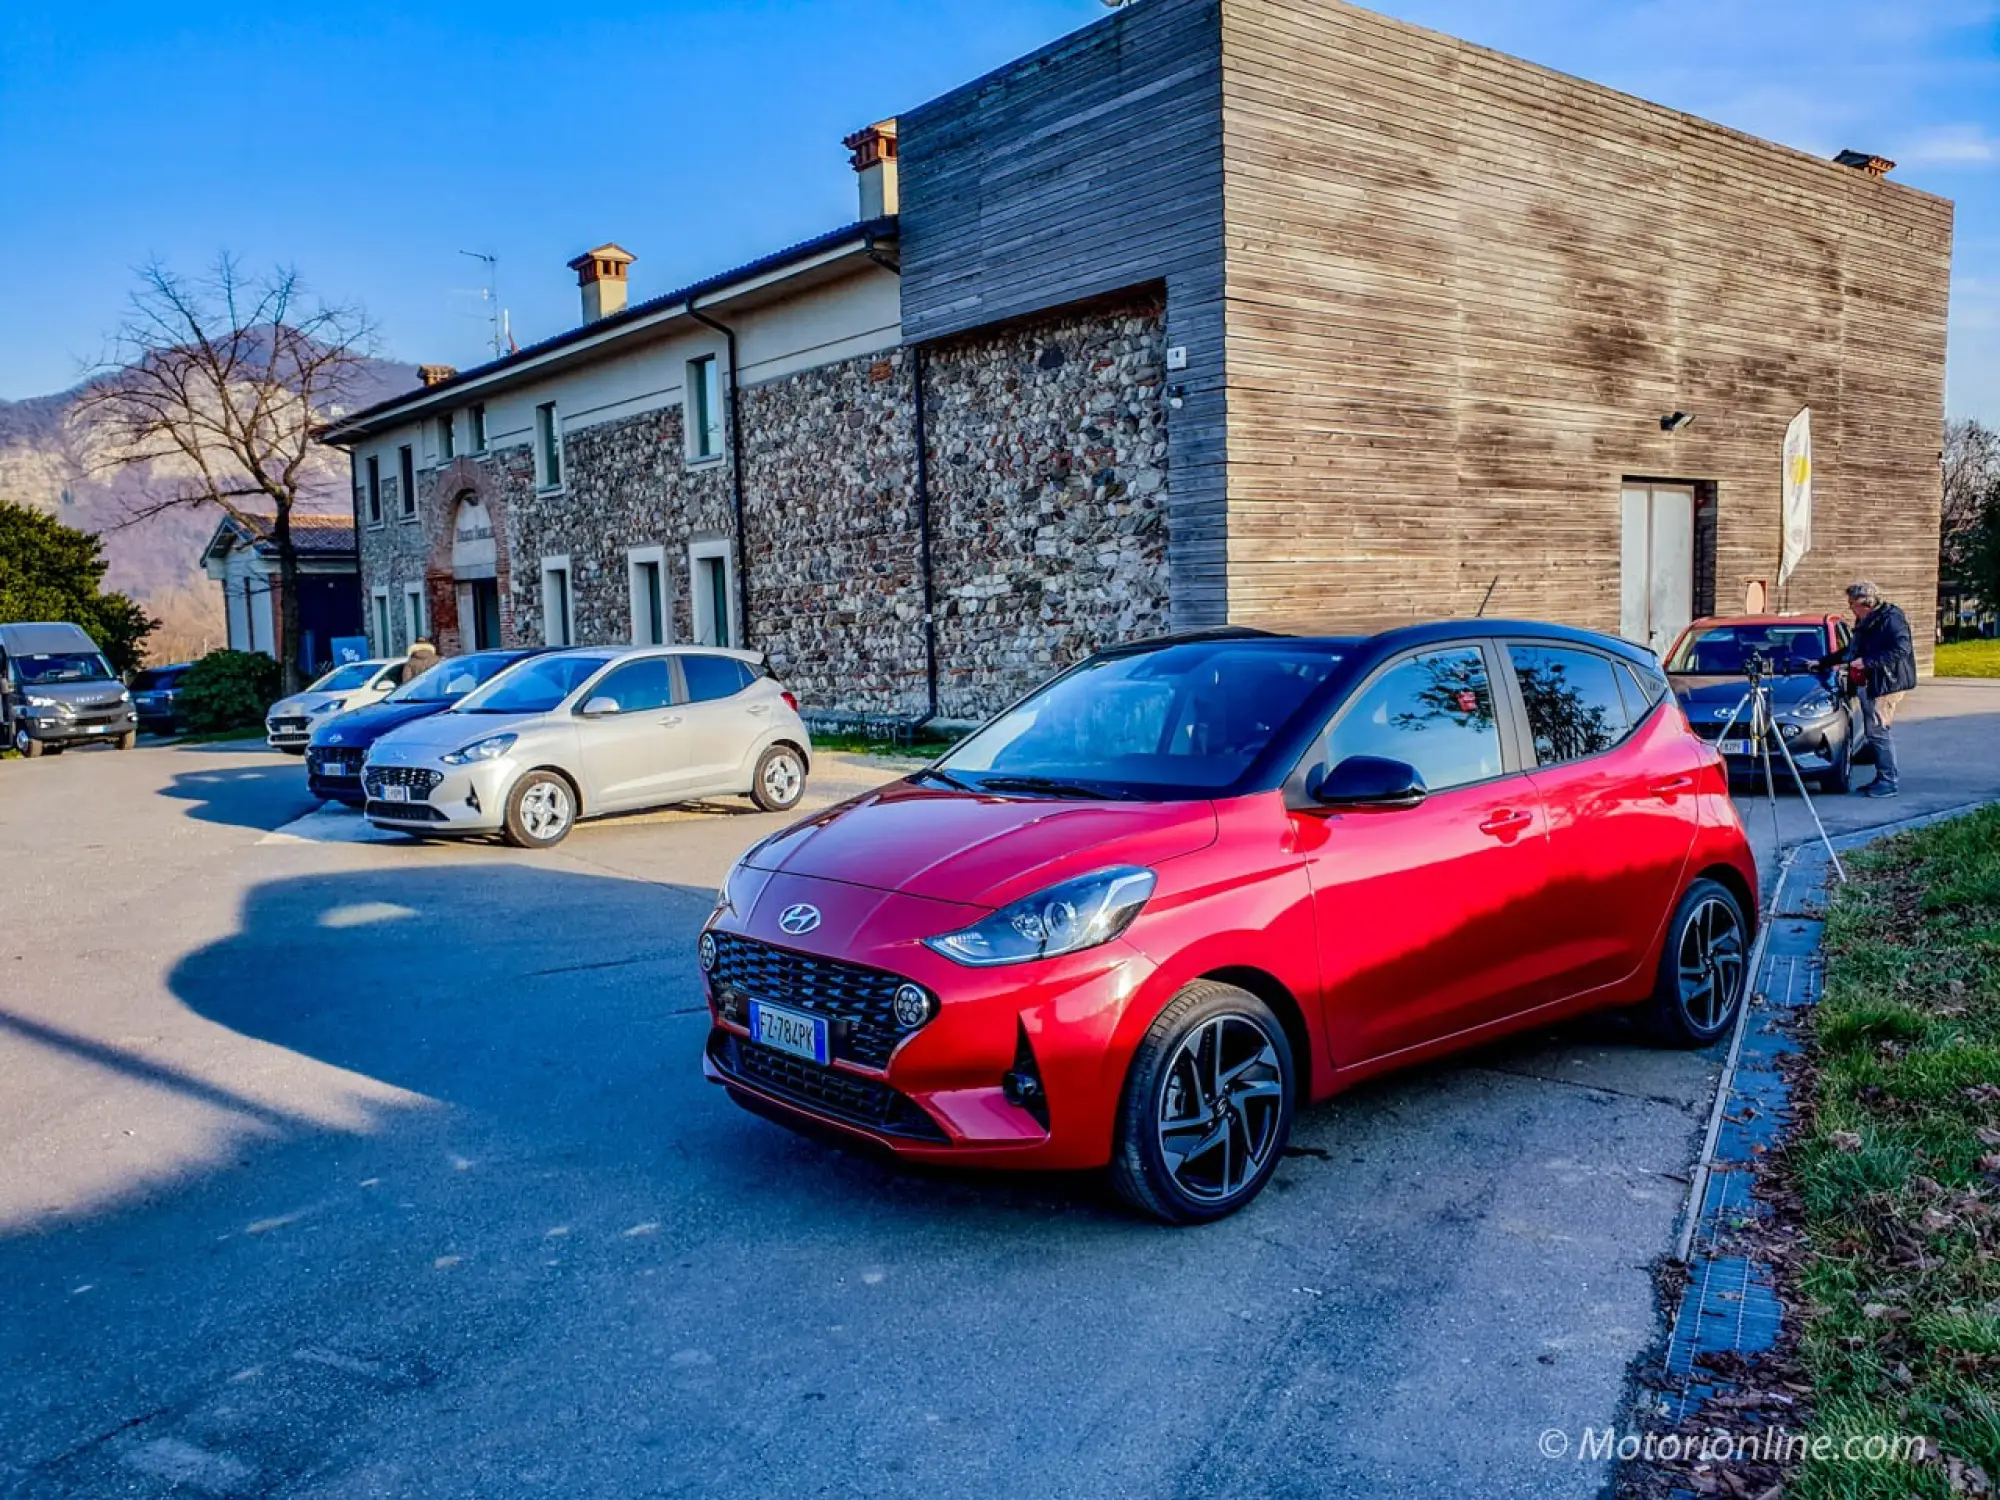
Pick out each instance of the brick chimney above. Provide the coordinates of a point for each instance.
(601, 274)
(435, 374)
(874, 162)
(1861, 161)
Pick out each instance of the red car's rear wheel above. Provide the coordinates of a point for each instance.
(1207, 1107)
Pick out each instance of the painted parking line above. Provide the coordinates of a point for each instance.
(330, 823)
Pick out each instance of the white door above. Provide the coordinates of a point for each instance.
(1656, 580)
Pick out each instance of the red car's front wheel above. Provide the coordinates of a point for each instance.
(1207, 1106)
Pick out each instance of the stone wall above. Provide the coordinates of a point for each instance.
(1048, 496)
(628, 484)
(836, 592)
(1048, 484)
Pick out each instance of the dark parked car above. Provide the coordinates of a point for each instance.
(340, 744)
(153, 692)
(1816, 712)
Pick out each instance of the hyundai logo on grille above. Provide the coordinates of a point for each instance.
(799, 920)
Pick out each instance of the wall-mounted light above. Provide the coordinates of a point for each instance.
(1675, 421)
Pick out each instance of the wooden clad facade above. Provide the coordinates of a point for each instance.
(1091, 167)
(1462, 290)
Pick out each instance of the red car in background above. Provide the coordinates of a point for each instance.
(1191, 885)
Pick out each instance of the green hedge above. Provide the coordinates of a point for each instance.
(227, 690)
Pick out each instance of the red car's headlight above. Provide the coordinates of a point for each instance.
(1065, 918)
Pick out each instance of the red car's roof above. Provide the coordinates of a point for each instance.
(1763, 620)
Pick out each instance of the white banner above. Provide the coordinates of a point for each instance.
(1798, 494)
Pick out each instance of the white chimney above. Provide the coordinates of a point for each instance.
(874, 162)
(601, 275)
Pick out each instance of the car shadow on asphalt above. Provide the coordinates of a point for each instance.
(258, 796)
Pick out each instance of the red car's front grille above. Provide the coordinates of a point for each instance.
(822, 1091)
(859, 1004)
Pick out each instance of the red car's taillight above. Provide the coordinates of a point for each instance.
(790, 702)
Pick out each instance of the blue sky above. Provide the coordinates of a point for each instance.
(368, 143)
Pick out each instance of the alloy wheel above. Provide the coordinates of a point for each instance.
(1222, 1100)
(1711, 963)
(545, 810)
(782, 778)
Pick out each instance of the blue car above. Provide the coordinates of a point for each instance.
(340, 744)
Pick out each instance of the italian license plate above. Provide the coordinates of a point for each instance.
(1735, 747)
(99, 728)
(791, 1031)
(395, 794)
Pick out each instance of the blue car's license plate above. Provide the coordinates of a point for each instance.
(790, 1031)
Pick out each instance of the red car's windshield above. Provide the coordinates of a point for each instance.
(1725, 650)
(1185, 720)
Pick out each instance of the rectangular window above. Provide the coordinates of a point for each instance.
(476, 421)
(712, 582)
(382, 643)
(406, 467)
(548, 448)
(447, 439)
(374, 490)
(704, 407)
(558, 626)
(647, 569)
(413, 612)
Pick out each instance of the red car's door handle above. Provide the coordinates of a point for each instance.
(1506, 823)
(1671, 785)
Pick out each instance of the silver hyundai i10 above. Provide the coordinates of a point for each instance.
(590, 731)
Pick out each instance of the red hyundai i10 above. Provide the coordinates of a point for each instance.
(1190, 885)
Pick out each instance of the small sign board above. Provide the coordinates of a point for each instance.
(347, 648)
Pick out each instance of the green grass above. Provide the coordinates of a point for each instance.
(1969, 659)
(1899, 1168)
(924, 747)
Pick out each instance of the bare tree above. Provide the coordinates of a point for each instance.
(215, 388)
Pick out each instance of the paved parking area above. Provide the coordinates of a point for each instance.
(336, 1168)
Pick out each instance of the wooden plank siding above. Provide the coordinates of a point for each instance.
(1461, 290)
(1089, 167)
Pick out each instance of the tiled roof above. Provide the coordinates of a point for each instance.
(312, 535)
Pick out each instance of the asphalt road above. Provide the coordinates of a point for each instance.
(342, 1169)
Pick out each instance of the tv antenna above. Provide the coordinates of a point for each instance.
(489, 293)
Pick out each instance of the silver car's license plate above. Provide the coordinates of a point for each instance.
(1735, 747)
(395, 794)
(791, 1031)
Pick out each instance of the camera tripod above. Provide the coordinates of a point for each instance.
(1764, 732)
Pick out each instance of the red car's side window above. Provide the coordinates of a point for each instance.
(1434, 712)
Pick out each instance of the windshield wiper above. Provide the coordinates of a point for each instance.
(932, 773)
(1052, 787)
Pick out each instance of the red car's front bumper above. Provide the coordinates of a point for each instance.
(938, 1091)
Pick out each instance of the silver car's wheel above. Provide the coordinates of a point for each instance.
(541, 810)
(780, 779)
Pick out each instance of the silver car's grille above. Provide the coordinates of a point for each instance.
(289, 725)
(419, 779)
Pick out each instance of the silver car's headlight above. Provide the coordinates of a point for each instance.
(1812, 706)
(491, 748)
(1065, 918)
(331, 706)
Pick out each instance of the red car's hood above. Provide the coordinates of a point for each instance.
(980, 850)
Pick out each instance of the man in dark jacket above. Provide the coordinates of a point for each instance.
(1881, 643)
